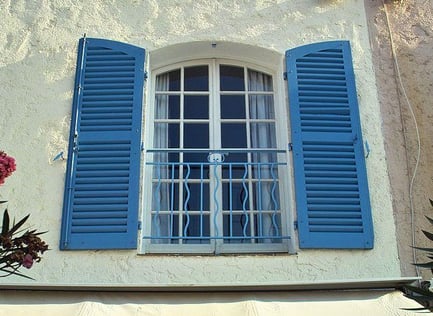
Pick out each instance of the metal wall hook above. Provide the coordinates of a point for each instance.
(367, 149)
(59, 156)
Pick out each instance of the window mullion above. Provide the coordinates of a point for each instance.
(215, 125)
(181, 155)
(249, 157)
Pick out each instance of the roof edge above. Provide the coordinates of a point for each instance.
(385, 283)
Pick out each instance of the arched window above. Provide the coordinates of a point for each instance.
(216, 160)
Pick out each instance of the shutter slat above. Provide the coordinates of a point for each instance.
(104, 92)
(102, 185)
(100, 208)
(330, 178)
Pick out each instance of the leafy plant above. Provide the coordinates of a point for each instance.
(18, 247)
(423, 293)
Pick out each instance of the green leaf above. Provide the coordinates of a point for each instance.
(430, 220)
(424, 249)
(416, 309)
(428, 235)
(5, 225)
(39, 233)
(18, 225)
(418, 290)
(424, 265)
(4, 259)
(14, 272)
(419, 297)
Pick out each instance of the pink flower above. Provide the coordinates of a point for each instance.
(7, 166)
(27, 261)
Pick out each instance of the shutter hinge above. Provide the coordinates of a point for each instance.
(142, 146)
(285, 75)
(290, 146)
(139, 225)
(75, 143)
(145, 75)
(295, 225)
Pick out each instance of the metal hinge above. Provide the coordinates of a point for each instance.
(290, 146)
(139, 225)
(295, 225)
(145, 75)
(285, 75)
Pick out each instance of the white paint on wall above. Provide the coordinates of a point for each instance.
(38, 46)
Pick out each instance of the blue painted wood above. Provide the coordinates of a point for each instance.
(332, 198)
(102, 182)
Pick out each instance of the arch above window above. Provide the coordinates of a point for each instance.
(214, 49)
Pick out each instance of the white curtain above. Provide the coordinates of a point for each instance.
(263, 137)
(161, 200)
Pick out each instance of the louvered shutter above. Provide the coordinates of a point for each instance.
(102, 182)
(332, 197)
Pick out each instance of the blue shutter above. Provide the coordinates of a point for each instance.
(332, 199)
(102, 182)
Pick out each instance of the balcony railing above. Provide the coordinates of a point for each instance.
(200, 196)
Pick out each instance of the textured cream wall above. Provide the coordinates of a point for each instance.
(38, 52)
(410, 159)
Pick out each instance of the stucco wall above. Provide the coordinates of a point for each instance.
(38, 46)
(405, 84)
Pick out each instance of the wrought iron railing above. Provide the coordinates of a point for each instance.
(199, 196)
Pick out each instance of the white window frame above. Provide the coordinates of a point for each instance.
(285, 172)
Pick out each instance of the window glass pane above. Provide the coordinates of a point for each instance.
(232, 106)
(233, 135)
(165, 226)
(231, 78)
(196, 107)
(237, 225)
(263, 135)
(166, 135)
(236, 196)
(196, 136)
(197, 199)
(167, 167)
(266, 196)
(196, 78)
(267, 226)
(165, 208)
(258, 81)
(238, 168)
(169, 81)
(166, 197)
(167, 107)
(197, 167)
(196, 226)
(261, 107)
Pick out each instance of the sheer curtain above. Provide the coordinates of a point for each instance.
(263, 137)
(161, 195)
